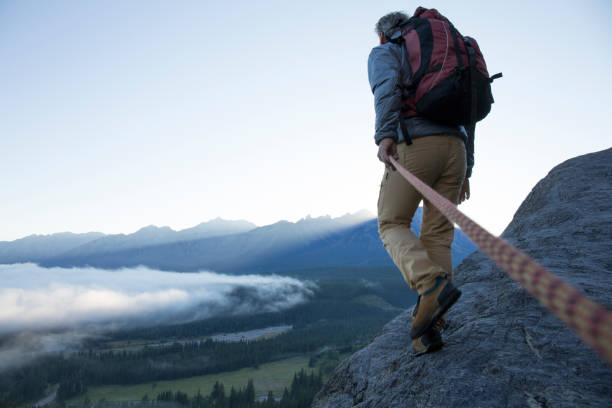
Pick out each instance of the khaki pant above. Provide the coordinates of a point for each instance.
(440, 162)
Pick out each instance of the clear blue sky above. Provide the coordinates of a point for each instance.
(119, 114)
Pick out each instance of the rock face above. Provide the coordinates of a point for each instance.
(502, 348)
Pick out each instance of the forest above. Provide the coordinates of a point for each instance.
(342, 315)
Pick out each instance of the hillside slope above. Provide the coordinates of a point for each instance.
(502, 347)
(35, 248)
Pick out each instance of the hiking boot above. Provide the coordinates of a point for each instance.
(441, 325)
(429, 342)
(434, 303)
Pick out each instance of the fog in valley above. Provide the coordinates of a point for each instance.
(50, 309)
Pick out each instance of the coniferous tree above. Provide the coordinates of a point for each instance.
(182, 398)
(250, 394)
(198, 400)
(165, 396)
(233, 399)
(270, 401)
(217, 395)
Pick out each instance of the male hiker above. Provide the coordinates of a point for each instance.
(435, 153)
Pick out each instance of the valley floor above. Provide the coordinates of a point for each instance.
(294, 349)
(274, 376)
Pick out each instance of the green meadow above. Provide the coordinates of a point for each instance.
(274, 376)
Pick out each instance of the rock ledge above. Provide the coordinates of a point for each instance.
(502, 348)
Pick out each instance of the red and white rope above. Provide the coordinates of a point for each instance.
(591, 321)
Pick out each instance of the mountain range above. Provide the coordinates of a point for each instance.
(223, 246)
(37, 248)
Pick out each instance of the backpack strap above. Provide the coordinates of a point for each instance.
(423, 28)
(473, 96)
(494, 77)
(396, 36)
(454, 31)
(471, 127)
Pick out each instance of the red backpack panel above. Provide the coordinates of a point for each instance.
(450, 81)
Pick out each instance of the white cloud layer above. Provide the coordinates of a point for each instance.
(32, 297)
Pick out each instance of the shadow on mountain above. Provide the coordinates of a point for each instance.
(322, 242)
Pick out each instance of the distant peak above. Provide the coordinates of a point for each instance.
(148, 228)
(311, 218)
(153, 228)
(361, 214)
(220, 221)
(357, 216)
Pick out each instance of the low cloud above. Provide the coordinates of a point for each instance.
(54, 309)
(19, 348)
(34, 298)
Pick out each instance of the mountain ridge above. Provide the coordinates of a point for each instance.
(36, 247)
(152, 235)
(321, 242)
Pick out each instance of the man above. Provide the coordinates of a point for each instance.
(436, 154)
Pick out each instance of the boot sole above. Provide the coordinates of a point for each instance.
(444, 306)
(430, 349)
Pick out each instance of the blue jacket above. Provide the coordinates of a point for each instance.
(390, 74)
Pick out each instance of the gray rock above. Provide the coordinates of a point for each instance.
(502, 348)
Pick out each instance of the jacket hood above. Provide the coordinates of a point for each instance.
(422, 12)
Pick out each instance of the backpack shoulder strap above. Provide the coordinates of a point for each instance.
(472, 64)
(421, 27)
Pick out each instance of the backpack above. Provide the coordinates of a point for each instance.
(450, 82)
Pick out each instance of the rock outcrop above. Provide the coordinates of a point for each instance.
(502, 348)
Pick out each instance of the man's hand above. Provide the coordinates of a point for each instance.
(387, 148)
(464, 194)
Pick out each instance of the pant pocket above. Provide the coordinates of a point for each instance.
(381, 193)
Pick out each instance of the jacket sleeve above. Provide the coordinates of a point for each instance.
(384, 70)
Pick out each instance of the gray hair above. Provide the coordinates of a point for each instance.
(390, 22)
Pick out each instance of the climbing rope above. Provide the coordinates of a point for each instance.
(591, 321)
